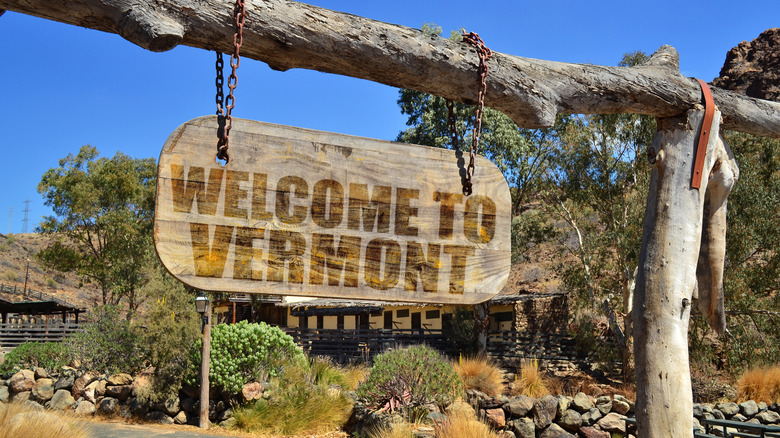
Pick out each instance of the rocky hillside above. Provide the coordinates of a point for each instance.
(16, 250)
(753, 68)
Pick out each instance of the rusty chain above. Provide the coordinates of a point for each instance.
(230, 100)
(484, 54)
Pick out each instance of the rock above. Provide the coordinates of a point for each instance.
(491, 403)
(718, 414)
(170, 406)
(29, 404)
(21, 397)
(188, 404)
(77, 390)
(612, 422)
(137, 407)
(520, 406)
(119, 379)
(228, 413)
(89, 391)
(564, 402)
(43, 390)
(22, 381)
(64, 382)
(753, 68)
(459, 407)
(524, 428)
(430, 418)
(768, 417)
(544, 411)
(159, 417)
(503, 434)
(85, 407)
(140, 383)
(621, 407)
(739, 417)
(591, 417)
(4, 394)
(728, 409)
(122, 392)
(475, 398)
(748, 408)
(571, 420)
(555, 431)
(252, 391)
(592, 432)
(180, 418)
(581, 402)
(61, 400)
(108, 406)
(229, 423)
(41, 373)
(495, 418)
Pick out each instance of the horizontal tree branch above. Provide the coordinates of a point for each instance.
(287, 34)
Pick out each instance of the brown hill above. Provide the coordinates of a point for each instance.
(15, 251)
(753, 67)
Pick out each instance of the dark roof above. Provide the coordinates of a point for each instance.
(517, 298)
(37, 307)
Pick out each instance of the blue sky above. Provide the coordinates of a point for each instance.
(65, 86)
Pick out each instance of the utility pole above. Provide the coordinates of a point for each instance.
(26, 276)
(26, 211)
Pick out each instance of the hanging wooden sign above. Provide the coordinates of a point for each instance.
(310, 213)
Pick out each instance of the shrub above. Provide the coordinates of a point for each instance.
(531, 382)
(462, 426)
(11, 276)
(109, 343)
(51, 283)
(760, 384)
(302, 402)
(460, 331)
(48, 355)
(410, 378)
(244, 352)
(480, 373)
(36, 424)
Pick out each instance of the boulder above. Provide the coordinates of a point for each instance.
(581, 402)
(43, 390)
(768, 417)
(41, 373)
(159, 417)
(591, 417)
(65, 381)
(21, 397)
(564, 401)
(524, 428)
(4, 394)
(170, 406)
(61, 400)
(227, 424)
(140, 383)
(122, 392)
(252, 391)
(555, 431)
(592, 432)
(119, 379)
(571, 420)
(748, 408)
(495, 418)
(108, 406)
(181, 418)
(22, 381)
(728, 409)
(520, 406)
(621, 407)
(31, 405)
(85, 407)
(612, 422)
(544, 411)
(188, 404)
(137, 407)
(80, 384)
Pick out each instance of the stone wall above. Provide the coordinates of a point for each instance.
(543, 314)
(116, 395)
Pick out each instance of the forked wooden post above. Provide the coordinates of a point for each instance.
(667, 280)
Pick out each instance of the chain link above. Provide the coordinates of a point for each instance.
(451, 120)
(230, 100)
(484, 54)
(220, 82)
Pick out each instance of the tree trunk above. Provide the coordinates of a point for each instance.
(287, 34)
(666, 283)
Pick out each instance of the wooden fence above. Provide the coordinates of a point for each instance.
(364, 345)
(32, 295)
(13, 334)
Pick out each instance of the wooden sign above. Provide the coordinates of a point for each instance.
(309, 213)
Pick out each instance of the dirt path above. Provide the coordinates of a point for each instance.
(117, 429)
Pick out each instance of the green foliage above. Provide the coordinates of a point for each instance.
(460, 331)
(102, 219)
(305, 400)
(244, 352)
(10, 239)
(51, 282)
(172, 327)
(409, 378)
(47, 355)
(109, 343)
(10, 275)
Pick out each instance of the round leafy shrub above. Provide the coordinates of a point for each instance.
(47, 355)
(410, 378)
(242, 353)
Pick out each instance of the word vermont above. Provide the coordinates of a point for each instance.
(326, 232)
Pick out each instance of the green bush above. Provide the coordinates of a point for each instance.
(109, 343)
(47, 355)
(460, 332)
(410, 378)
(242, 353)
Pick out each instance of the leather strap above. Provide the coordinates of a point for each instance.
(704, 134)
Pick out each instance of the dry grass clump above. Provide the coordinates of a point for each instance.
(760, 384)
(463, 426)
(398, 430)
(531, 382)
(480, 373)
(354, 375)
(20, 421)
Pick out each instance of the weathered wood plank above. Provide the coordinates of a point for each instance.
(300, 212)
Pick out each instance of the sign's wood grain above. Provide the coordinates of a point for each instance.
(301, 212)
